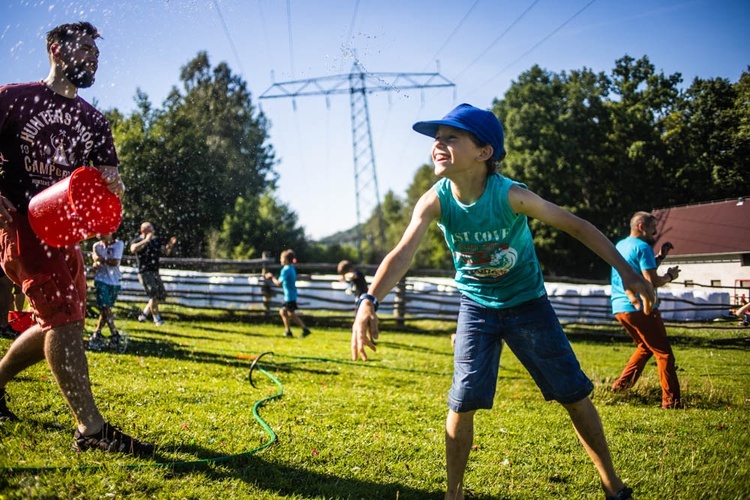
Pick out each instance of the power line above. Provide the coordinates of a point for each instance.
(461, 22)
(265, 33)
(494, 42)
(540, 42)
(289, 29)
(229, 37)
(358, 83)
(354, 19)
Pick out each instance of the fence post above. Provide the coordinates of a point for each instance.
(399, 303)
(267, 286)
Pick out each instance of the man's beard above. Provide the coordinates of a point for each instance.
(79, 76)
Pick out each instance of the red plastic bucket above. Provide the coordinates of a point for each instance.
(20, 321)
(74, 209)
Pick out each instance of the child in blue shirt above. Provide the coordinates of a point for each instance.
(484, 219)
(288, 281)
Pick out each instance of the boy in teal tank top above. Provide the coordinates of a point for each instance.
(484, 219)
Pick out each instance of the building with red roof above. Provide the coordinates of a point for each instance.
(711, 244)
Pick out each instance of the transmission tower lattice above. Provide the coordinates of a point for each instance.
(358, 83)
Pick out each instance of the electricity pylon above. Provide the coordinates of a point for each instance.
(358, 83)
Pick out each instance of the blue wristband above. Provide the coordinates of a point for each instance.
(371, 298)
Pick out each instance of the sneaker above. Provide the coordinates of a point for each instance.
(7, 332)
(624, 494)
(114, 340)
(288, 334)
(5, 414)
(97, 342)
(111, 439)
(158, 321)
(142, 318)
(306, 332)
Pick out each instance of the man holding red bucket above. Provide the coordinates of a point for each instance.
(46, 131)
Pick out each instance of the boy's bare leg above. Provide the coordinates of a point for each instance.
(298, 320)
(109, 318)
(102, 320)
(459, 435)
(285, 318)
(590, 432)
(153, 306)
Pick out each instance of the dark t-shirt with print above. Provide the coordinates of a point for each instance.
(147, 259)
(358, 284)
(44, 137)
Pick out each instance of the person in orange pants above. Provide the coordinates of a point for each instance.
(647, 330)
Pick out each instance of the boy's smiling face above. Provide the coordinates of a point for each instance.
(454, 151)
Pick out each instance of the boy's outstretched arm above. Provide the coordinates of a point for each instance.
(532, 205)
(390, 271)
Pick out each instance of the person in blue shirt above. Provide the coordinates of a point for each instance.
(646, 330)
(483, 216)
(288, 281)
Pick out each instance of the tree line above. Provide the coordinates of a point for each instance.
(600, 145)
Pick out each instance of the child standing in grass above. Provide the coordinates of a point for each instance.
(353, 277)
(288, 281)
(107, 253)
(484, 218)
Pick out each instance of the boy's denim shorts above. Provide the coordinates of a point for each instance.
(532, 333)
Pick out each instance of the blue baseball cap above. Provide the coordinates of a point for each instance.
(484, 124)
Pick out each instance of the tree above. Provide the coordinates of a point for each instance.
(185, 165)
(642, 103)
(556, 128)
(433, 253)
(258, 224)
(373, 250)
(709, 141)
(591, 144)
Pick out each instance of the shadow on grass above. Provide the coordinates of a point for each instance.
(650, 397)
(614, 334)
(416, 348)
(284, 363)
(277, 479)
(285, 480)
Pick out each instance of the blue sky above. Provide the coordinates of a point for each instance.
(481, 46)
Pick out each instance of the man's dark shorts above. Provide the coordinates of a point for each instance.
(290, 306)
(153, 285)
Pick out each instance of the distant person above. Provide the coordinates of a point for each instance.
(6, 305)
(288, 281)
(353, 277)
(46, 131)
(107, 253)
(743, 313)
(646, 330)
(484, 218)
(19, 299)
(148, 250)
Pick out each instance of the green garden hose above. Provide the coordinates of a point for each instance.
(190, 463)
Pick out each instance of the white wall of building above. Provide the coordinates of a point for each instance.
(724, 272)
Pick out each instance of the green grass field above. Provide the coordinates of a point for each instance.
(372, 430)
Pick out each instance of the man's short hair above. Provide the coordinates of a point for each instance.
(70, 32)
(644, 218)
